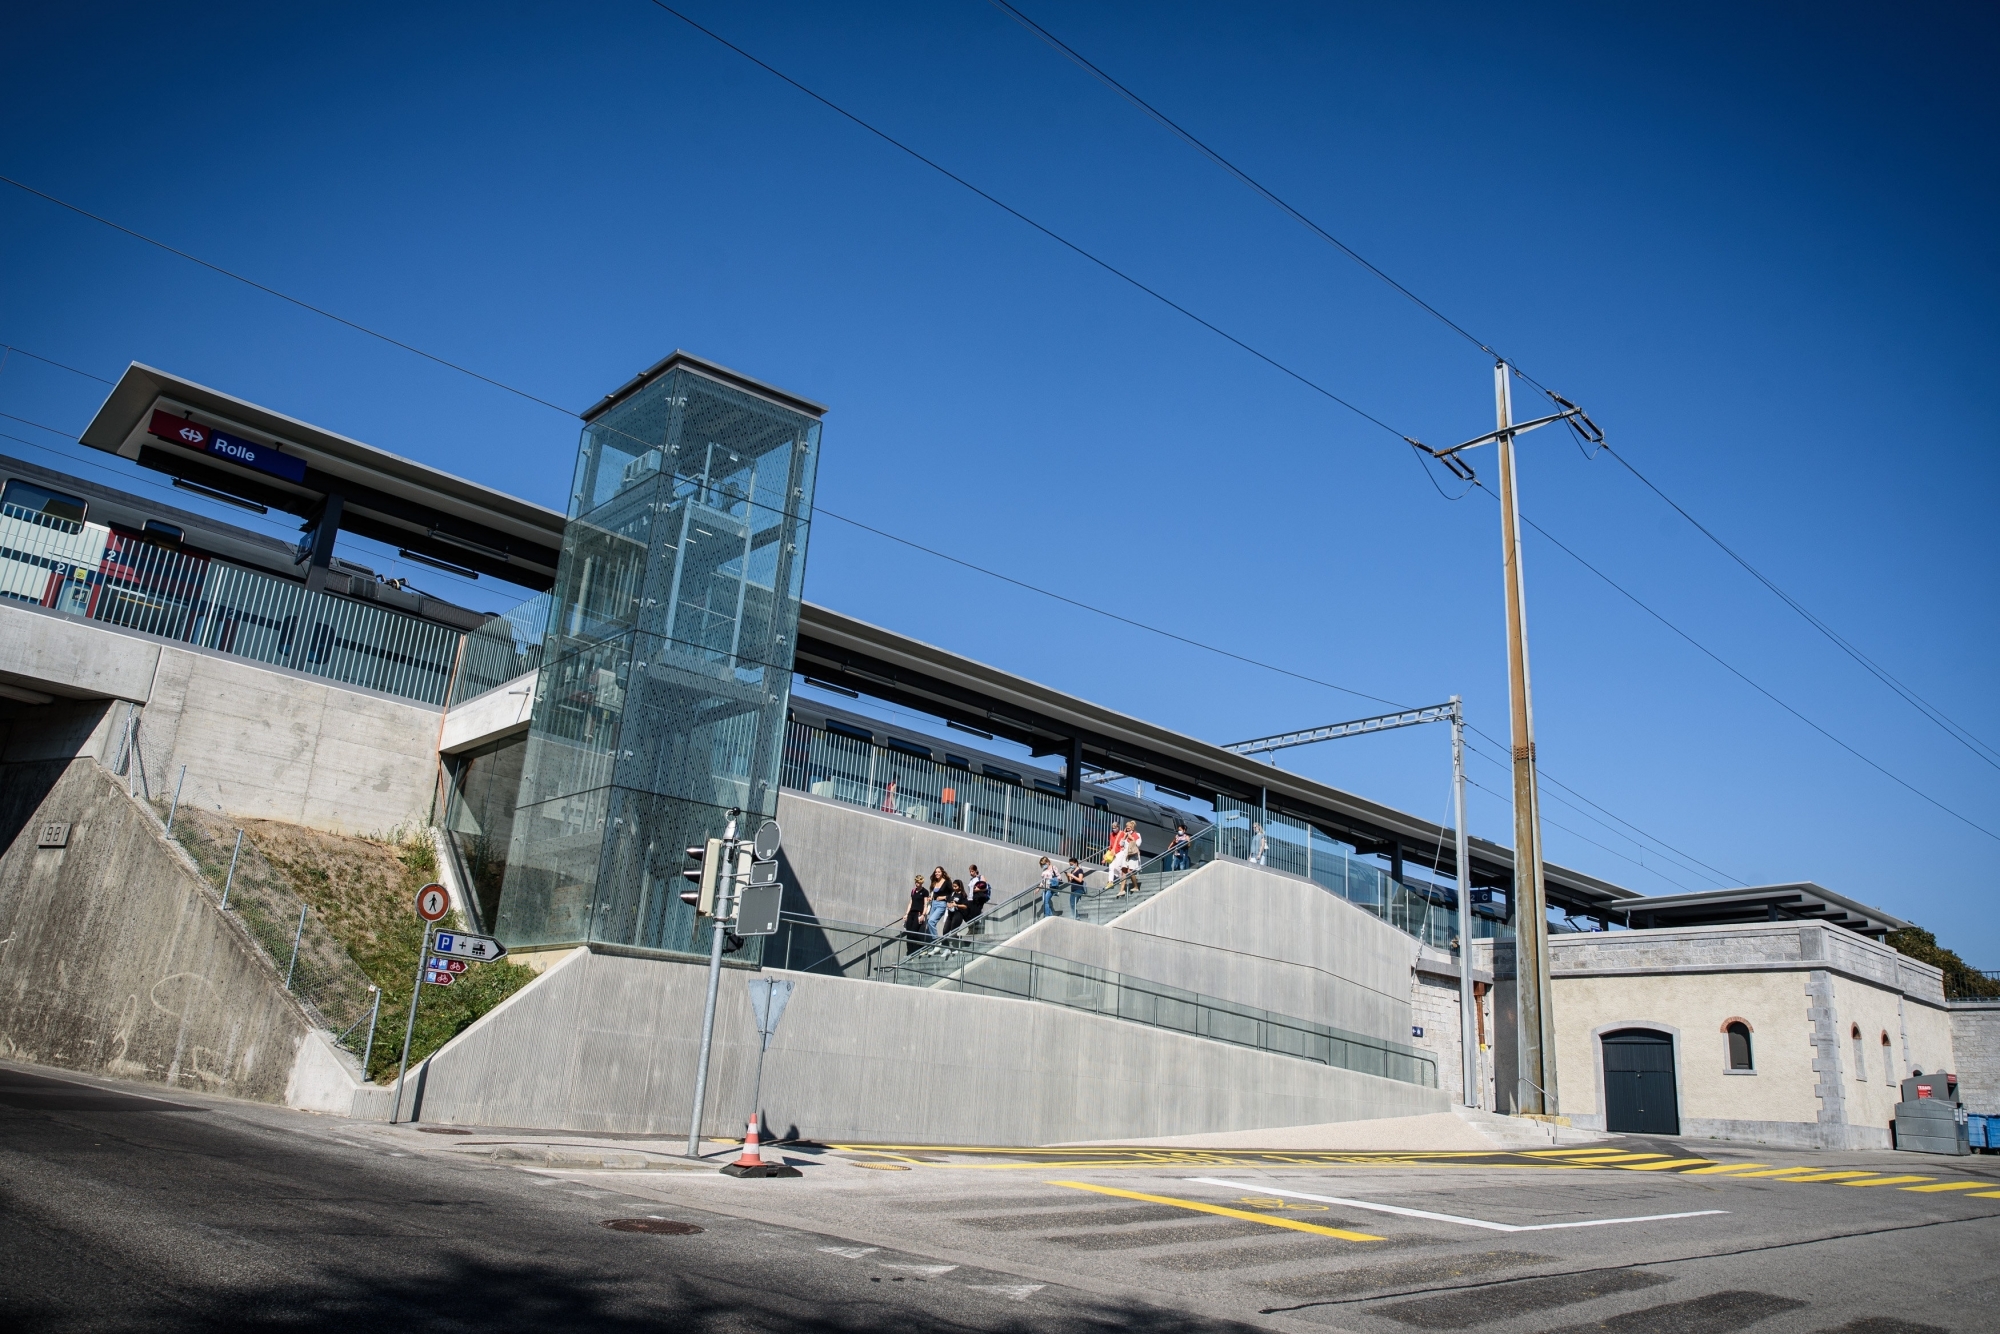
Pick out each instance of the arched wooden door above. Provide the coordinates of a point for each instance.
(1639, 1093)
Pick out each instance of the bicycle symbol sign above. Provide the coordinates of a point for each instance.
(433, 903)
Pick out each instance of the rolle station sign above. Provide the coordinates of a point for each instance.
(231, 448)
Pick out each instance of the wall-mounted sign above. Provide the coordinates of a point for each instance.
(234, 449)
(55, 834)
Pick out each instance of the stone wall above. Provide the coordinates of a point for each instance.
(1975, 1035)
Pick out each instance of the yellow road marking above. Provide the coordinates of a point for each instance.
(1984, 1195)
(1728, 1167)
(1560, 1153)
(1661, 1167)
(1948, 1185)
(1886, 1181)
(1775, 1172)
(1200, 1207)
(1616, 1158)
(1833, 1176)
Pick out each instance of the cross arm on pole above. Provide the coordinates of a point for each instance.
(1434, 713)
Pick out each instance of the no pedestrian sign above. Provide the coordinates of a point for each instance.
(433, 903)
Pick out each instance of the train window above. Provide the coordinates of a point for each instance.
(165, 531)
(1048, 786)
(1004, 775)
(848, 729)
(957, 761)
(907, 747)
(38, 500)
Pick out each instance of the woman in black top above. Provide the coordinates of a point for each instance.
(976, 903)
(961, 903)
(913, 920)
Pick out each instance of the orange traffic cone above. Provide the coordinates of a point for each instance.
(750, 1165)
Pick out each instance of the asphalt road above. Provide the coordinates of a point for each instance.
(124, 1208)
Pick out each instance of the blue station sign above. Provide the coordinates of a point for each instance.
(232, 448)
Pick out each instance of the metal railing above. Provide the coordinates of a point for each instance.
(968, 964)
(120, 580)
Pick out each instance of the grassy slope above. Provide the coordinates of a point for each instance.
(366, 891)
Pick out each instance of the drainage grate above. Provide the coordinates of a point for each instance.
(665, 1227)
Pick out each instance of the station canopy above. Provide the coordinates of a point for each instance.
(213, 442)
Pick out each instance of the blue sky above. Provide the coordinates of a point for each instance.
(1755, 244)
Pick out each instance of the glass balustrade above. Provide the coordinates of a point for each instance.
(984, 967)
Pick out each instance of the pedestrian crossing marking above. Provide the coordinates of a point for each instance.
(1671, 1163)
(1720, 1168)
(1947, 1185)
(1885, 1181)
(1224, 1211)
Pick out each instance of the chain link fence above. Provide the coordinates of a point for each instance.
(292, 936)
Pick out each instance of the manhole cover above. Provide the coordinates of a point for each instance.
(442, 1130)
(662, 1226)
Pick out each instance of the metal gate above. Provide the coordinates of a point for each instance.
(1639, 1094)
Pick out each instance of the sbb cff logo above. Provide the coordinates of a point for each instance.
(192, 434)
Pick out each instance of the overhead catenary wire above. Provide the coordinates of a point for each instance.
(1295, 375)
(1959, 733)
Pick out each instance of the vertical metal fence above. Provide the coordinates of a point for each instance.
(142, 586)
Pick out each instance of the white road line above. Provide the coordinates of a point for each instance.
(920, 1269)
(1449, 1218)
(850, 1252)
(1013, 1292)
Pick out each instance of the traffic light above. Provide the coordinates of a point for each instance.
(705, 872)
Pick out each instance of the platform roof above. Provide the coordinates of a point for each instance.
(386, 497)
(843, 651)
(1803, 901)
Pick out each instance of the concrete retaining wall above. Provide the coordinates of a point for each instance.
(115, 960)
(258, 742)
(846, 864)
(608, 1043)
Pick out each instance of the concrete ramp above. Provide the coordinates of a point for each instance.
(606, 1042)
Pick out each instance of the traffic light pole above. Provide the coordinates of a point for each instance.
(725, 894)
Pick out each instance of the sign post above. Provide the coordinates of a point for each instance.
(432, 904)
(768, 997)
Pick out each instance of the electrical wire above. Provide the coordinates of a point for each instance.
(1985, 751)
(272, 291)
(1071, 53)
(10, 348)
(1652, 870)
(1013, 212)
(1692, 865)
(1745, 678)
(1930, 711)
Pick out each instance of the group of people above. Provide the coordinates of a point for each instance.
(941, 905)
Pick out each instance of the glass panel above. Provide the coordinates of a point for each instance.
(666, 667)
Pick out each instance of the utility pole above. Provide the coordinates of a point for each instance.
(1468, 1008)
(1532, 1038)
(1537, 1065)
